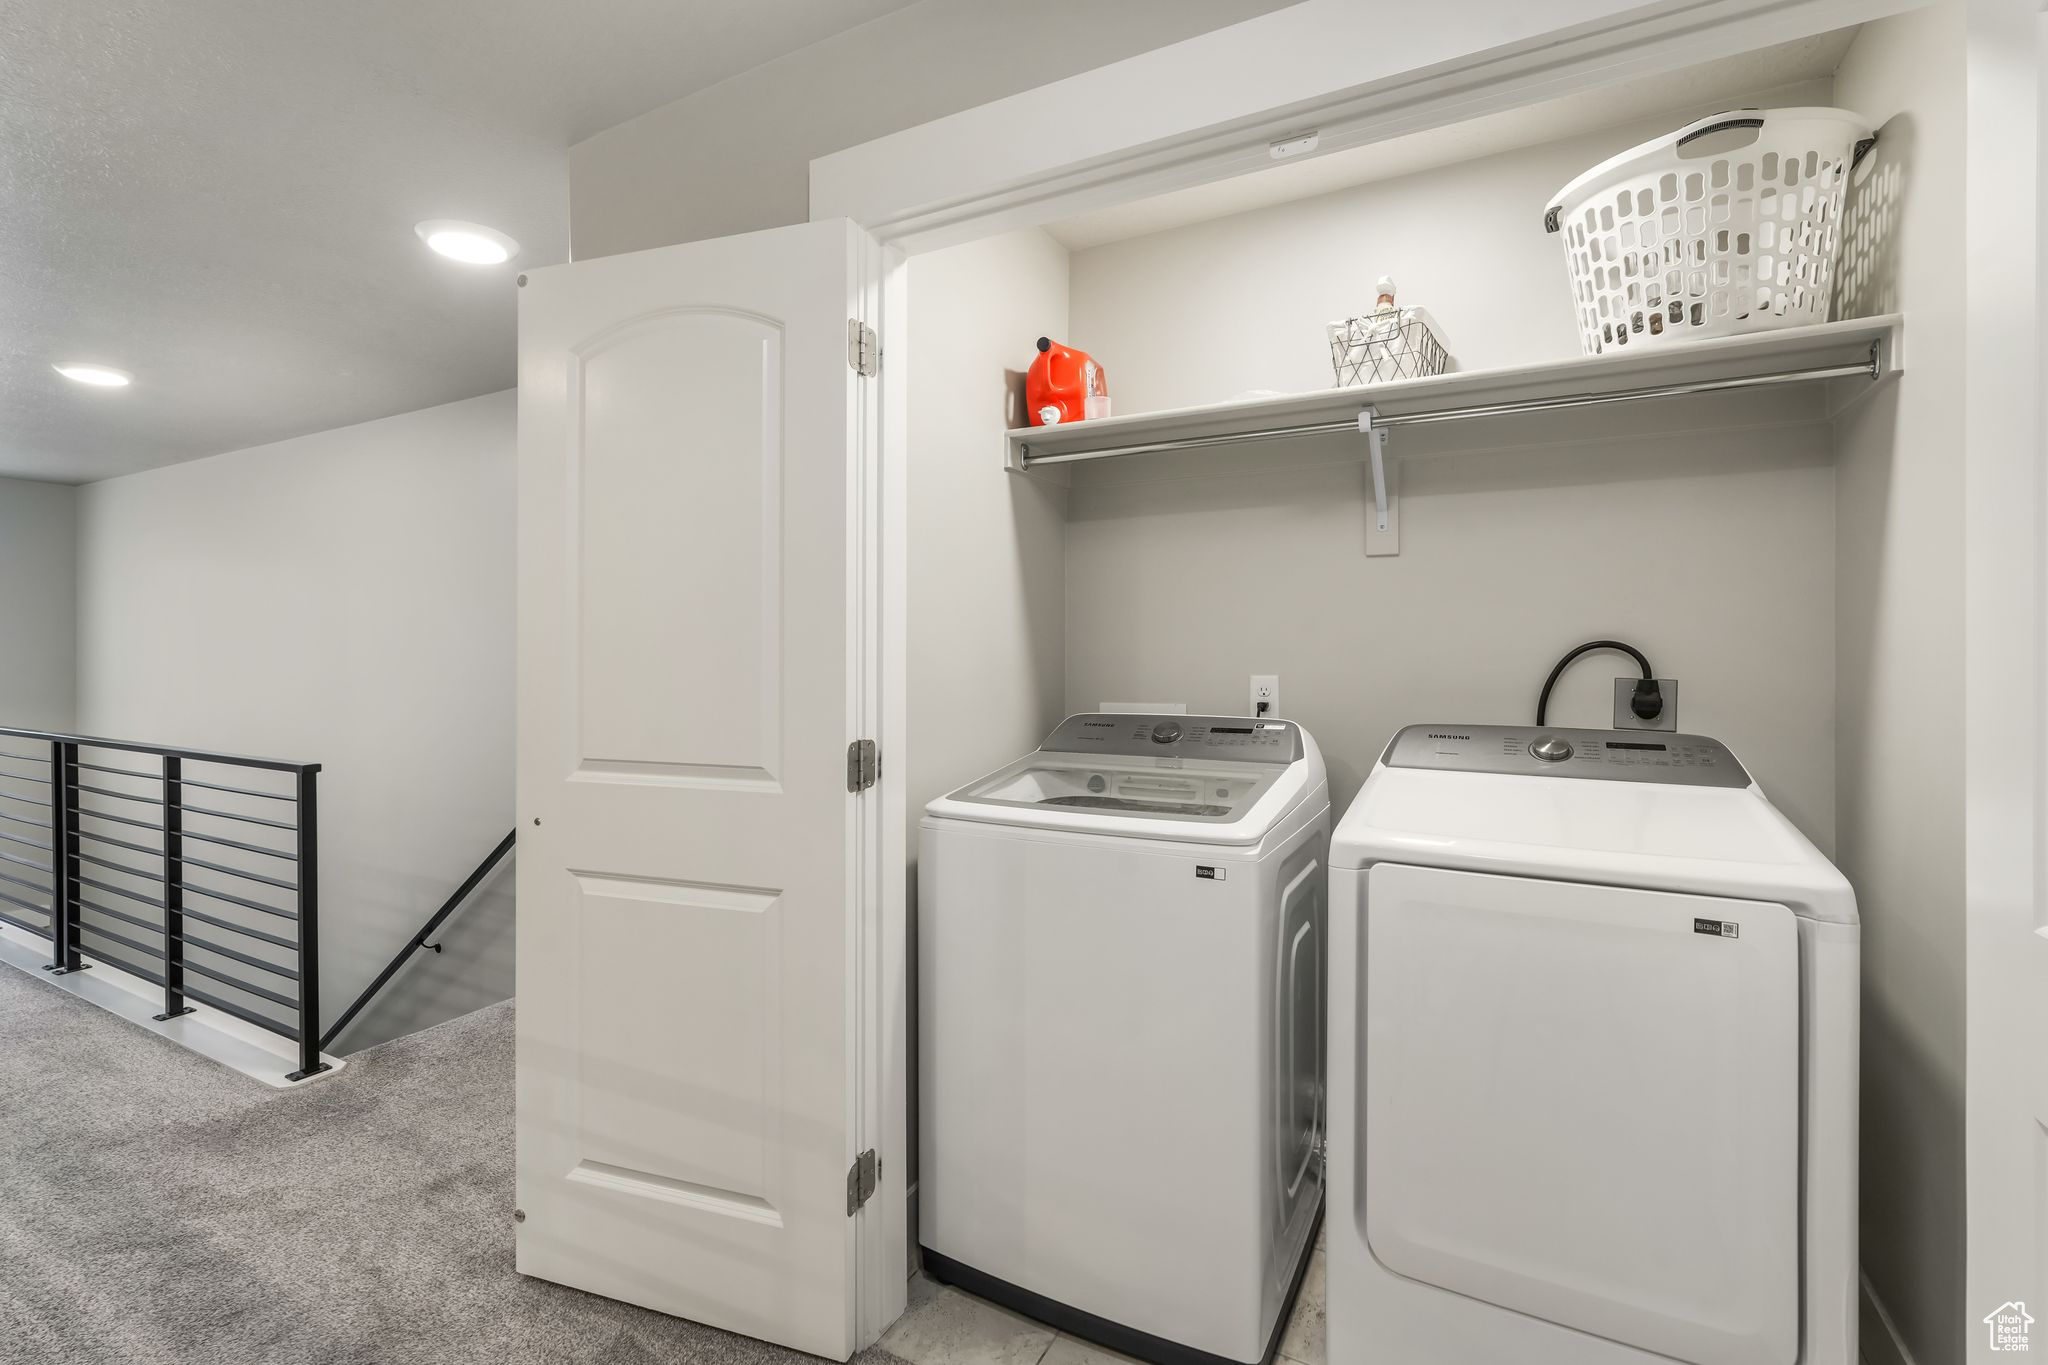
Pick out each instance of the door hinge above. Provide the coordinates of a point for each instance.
(863, 765)
(863, 351)
(861, 1178)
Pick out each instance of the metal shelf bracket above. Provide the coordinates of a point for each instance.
(1376, 442)
(1383, 536)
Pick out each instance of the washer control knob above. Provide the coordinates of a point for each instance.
(1166, 732)
(1551, 749)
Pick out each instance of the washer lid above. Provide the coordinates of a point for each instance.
(1197, 779)
(1657, 834)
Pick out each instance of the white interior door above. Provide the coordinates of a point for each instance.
(695, 596)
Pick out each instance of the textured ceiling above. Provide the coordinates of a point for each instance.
(219, 196)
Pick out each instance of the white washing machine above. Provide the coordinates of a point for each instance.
(1592, 1060)
(1120, 996)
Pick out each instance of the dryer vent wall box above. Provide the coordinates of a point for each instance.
(1631, 936)
(1121, 967)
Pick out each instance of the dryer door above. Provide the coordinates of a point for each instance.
(1582, 1103)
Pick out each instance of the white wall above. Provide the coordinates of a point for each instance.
(1188, 573)
(38, 605)
(986, 577)
(1900, 663)
(737, 156)
(344, 598)
(1718, 563)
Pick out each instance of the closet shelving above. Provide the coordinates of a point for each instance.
(1864, 349)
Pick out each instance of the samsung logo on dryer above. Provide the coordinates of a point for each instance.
(1446, 734)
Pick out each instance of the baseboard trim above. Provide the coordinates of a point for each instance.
(1881, 1343)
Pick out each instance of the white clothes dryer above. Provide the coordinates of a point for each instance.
(1593, 1060)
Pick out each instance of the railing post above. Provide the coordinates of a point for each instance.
(58, 884)
(174, 892)
(64, 858)
(309, 924)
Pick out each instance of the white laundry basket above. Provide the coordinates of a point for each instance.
(1729, 225)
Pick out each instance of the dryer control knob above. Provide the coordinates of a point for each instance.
(1166, 732)
(1551, 749)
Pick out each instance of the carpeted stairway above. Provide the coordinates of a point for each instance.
(157, 1209)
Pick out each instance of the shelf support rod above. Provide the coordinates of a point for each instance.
(1376, 444)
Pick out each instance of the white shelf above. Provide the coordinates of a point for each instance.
(1795, 356)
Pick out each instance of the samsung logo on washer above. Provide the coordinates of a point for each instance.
(1444, 734)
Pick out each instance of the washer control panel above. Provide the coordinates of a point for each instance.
(1237, 739)
(1602, 755)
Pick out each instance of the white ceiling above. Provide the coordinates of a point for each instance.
(1685, 93)
(219, 196)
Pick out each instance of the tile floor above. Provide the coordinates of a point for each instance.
(948, 1326)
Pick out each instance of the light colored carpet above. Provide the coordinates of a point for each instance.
(156, 1209)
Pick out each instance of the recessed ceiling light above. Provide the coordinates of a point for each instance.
(470, 243)
(99, 376)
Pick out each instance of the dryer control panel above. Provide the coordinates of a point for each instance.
(1601, 755)
(1229, 739)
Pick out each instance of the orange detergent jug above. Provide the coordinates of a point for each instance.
(1064, 385)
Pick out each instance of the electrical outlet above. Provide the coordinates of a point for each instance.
(1625, 717)
(1265, 700)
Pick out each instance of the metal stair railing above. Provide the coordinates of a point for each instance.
(123, 852)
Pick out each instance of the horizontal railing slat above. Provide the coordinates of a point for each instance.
(245, 819)
(19, 923)
(112, 866)
(26, 905)
(19, 861)
(233, 899)
(246, 848)
(121, 843)
(23, 881)
(242, 1012)
(118, 819)
(240, 791)
(154, 926)
(207, 945)
(124, 772)
(260, 935)
(119, 891)
(142, 948)
(118, 796)
(259, 992)
(190, 861)
(149, 974)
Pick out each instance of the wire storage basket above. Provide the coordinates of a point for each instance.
(1402, 343)
(1731, 224)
